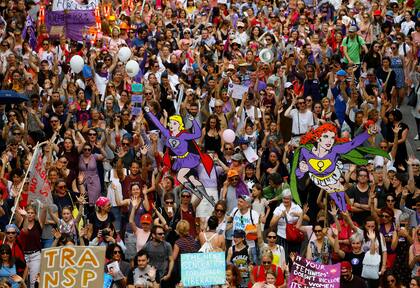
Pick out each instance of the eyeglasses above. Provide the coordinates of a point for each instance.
(117, 252)
(185, 196)
(220, 210)
(125, 144)
(10, 233)
(271, 237)
(169, 202)
(87, 149)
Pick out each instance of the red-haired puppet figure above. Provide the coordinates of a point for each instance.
(319, 155)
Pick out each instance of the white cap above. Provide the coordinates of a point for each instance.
(231, 66)
(288, 85)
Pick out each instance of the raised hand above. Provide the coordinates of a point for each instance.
(146, 109)
(371, 235)
(144, 149)
(303, 166)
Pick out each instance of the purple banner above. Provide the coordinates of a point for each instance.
(73, 21)
(306, 273)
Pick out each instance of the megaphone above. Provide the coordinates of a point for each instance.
(266, 55)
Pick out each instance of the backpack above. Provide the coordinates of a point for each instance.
(207, 247)
(250, 229)
(357, 38)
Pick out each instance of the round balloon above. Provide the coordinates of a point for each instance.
(76, 63)
(132, 68)
(228, 136)
(124, 54)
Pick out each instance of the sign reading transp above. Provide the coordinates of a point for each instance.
(73, 266)
(203, 269)
(306, 273)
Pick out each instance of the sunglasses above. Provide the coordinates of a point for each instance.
(266, 262)
(87, 149)
(125, 144)
(16, 133)
(11, 233)
(92, 134)
(117, 252)
(220, 210)
(390, 200)
(228, 148)
(185, 196)
(148, 93)
(271, 237)
(317, 231)
(301, 103)
(4, 252)
(160, 234)
(169, 202)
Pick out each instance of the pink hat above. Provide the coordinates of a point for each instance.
(102, 201)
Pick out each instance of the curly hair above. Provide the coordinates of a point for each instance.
(312, 136)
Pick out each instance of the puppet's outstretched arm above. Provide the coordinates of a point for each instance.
(356, 142)
(196, 132)
(156, 121)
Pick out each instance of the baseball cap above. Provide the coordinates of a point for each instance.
(232, 173)
(237, 157)
(353, 29)
(146, 218)
(392, 168)
(288, 85)
(389, 13)
(246, 198)
(341, 72)
(239, 233)
(346, 264)
(377, 13)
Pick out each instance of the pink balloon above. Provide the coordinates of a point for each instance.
(228, 136)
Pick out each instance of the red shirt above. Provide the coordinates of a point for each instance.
(259, 274)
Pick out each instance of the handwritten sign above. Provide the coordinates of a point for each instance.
(39, 185)
(306, 273)
(237, 91)
(61, 5)
(203, 269)
(73, 266)
(137, 87)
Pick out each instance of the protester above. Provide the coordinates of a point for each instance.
(136, 120)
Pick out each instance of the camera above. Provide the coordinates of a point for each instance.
(105, 232)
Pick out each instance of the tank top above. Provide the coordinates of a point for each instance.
(241, 260)
(212, 143)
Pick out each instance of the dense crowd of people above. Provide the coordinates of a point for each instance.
(156, 178)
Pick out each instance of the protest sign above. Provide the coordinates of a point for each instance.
(236, 90)
(61, 5)
(203, 269)
(306, 273)
(39, 185)
(73, 266)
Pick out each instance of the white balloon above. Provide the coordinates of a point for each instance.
(132, 68)
(77, 63)
(124, 54)
(228, 136)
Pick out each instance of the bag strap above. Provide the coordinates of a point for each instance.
(387, 78)
(250, 214)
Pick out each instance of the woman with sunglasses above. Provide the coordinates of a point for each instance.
(114, 253)
(277, 251)
(14, 121)
(10, 237)
(8, 267)
(258, 273)
(88, 163)
(391, 280)
(320, 249)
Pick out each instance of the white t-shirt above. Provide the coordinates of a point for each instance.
(250, 113)
(241, 220)
(301, 122)
(281, 225)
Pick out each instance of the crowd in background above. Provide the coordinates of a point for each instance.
(304, 64)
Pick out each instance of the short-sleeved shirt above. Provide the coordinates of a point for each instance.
(145, 277)
(241, 220)
(159, 255)
(354, 47)
(281, 226)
